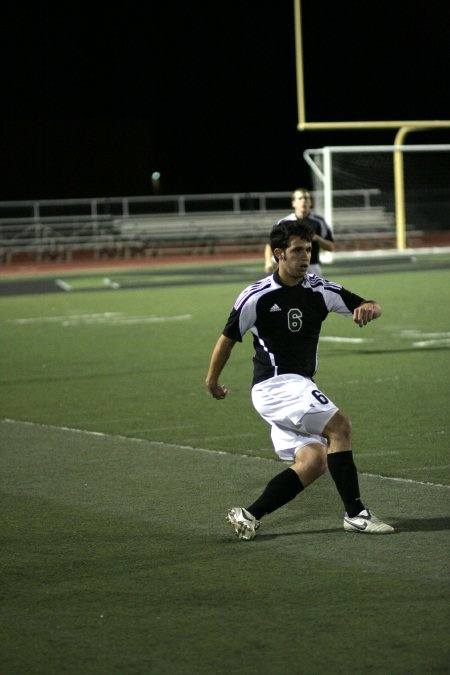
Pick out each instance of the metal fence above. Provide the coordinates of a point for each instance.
(155, 225)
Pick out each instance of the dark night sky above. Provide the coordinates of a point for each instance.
(95, 100)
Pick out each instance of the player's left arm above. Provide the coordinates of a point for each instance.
(268, 259)
(325, 244)
(324, 237)
(366, 312)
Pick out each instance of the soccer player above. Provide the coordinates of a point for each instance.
(323, 237)
(284, 312)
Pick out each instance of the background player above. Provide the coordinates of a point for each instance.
(284, 312)
(301, 200)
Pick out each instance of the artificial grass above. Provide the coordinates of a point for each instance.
(116, 556)
(117, 563)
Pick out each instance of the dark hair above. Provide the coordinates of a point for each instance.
(304, 190)
(285, 229)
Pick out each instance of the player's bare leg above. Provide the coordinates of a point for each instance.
(310, 463)
(338, 432)
(343, 470)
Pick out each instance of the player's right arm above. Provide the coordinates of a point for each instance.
(268, 259)
(219, 357)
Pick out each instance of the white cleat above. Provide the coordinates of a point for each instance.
(367, 522)
(245, 525)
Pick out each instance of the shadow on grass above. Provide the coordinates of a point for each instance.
(438, 524)
(422, 524)
(402, 525)
(261, 537)
(304, 533)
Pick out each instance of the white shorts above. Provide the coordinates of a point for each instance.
(296, 410)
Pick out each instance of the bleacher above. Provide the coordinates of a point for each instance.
(365, 228)
(126, 228)
(198, 233)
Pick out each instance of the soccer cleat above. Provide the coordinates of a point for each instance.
(245, 525)
(367, 522)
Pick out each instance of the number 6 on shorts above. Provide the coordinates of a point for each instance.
(319, 396)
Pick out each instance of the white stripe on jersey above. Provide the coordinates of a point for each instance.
(247, 301)
(330, 293)
(262, 285)
(247, 315)
(314, 281)
(254, 330)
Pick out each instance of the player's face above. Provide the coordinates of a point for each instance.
(302, 203)
(294, 260)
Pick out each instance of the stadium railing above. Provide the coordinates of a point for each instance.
(161, 225)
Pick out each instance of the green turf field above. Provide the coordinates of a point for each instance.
(117, 469)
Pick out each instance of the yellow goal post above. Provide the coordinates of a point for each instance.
(403, 127)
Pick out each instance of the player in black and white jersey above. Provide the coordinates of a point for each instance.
(284, 313)
(301, 201)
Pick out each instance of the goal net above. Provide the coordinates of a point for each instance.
(358, 191)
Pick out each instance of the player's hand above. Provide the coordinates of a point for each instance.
(364, 313)
(217, 391)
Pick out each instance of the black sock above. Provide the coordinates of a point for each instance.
(343, 471)
(279, 491)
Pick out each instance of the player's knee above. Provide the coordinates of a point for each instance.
(310, 463)
(321, 465)
(317, 464)
(339, 429)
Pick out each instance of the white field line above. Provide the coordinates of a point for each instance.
(62, 284)
(427, 339)
(419, 334)
(121, 319)
(404, 480)
(168, 428)
(209, 438)
(432, 339)
(65, 317)
(209, 451)
(109, 318)
(432, 343)
(111, 283)
(382, 453)
(348, 340)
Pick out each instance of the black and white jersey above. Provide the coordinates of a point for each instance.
(285, 322)
(319, 226)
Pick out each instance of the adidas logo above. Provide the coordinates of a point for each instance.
(275, 308)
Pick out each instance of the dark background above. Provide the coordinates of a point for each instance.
(97, 97)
